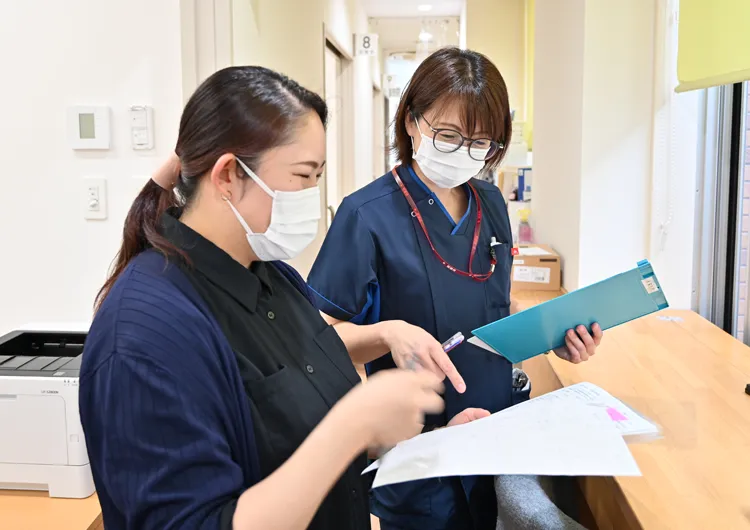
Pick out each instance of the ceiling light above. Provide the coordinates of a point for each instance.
(424, 8)
(425, 36)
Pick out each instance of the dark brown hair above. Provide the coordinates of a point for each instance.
(244, 110)
(448, 76)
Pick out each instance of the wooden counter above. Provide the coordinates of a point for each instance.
(689, 377)
(34, 510)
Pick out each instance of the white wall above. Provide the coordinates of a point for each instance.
(462, 27)
(558, 111)
(616, 145)
(496, 28)
(614, 156)
(363, 108)
(56, 54)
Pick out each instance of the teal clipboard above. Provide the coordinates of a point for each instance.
(542, 328)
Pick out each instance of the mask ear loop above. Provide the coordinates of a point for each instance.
(250, 173)
(238, 216)
(416, 122)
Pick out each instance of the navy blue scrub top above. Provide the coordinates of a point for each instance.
(377, 265)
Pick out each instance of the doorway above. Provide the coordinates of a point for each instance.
(334, 95)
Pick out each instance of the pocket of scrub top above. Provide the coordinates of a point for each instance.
(498, 286)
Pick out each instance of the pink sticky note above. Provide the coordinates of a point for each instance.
(615, 414)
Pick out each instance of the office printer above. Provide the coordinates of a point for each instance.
(41, 439)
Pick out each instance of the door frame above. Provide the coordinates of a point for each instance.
(206, 40)
(346, 179)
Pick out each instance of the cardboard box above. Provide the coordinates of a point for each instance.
(536, 268)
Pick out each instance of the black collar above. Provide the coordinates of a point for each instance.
(216, 265)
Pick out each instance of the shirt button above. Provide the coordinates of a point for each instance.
(310, 368)
(354, 493)
(271, 315)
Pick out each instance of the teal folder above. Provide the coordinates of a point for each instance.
(542, 328)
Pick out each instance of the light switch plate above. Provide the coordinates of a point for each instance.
(142, 127)
(94, 195)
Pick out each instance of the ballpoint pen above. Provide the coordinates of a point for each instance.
(413, 361)
(452, 342)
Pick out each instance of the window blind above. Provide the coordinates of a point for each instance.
(713, 45)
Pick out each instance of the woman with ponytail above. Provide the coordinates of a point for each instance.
(212, 393)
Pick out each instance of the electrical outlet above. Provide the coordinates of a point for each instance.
(95, 198)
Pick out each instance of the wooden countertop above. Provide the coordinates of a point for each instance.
(689, 377)
(35, 510)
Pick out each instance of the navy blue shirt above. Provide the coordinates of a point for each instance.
(376, 265)
(201, 378)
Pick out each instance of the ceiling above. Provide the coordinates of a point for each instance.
(402, 34)
(409, 8)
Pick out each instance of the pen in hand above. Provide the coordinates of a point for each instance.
(413, 362)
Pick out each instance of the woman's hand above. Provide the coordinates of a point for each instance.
(580, 345)
(467, 416)
(168, 173)
(413, 348)
(390, 406)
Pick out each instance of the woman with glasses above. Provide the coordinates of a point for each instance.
(426, 250)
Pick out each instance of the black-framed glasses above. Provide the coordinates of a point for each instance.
(450, 141)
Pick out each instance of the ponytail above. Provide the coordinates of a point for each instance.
(141, 232)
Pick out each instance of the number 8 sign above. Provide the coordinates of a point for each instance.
(366, 44)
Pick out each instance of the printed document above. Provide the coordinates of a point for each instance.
(565, 436)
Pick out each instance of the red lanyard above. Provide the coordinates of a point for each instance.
(475, 241)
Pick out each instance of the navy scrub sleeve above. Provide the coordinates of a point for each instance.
(350, 292)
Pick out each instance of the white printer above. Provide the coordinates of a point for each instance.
(41, 439)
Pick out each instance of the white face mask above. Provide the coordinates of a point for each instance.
(294, 221)
(447, 170)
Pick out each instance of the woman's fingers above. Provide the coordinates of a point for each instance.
(467, 416)
(587, 339)
(167, 174)
(598, 334)
(447, 368)
(574, 354)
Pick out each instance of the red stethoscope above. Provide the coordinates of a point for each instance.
(474, 243)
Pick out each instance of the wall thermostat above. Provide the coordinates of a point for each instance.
(142, 127)
(88, 127)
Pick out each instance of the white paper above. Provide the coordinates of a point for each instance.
(555, 439)
(626, 420)
(476, 341)
(532, 251)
